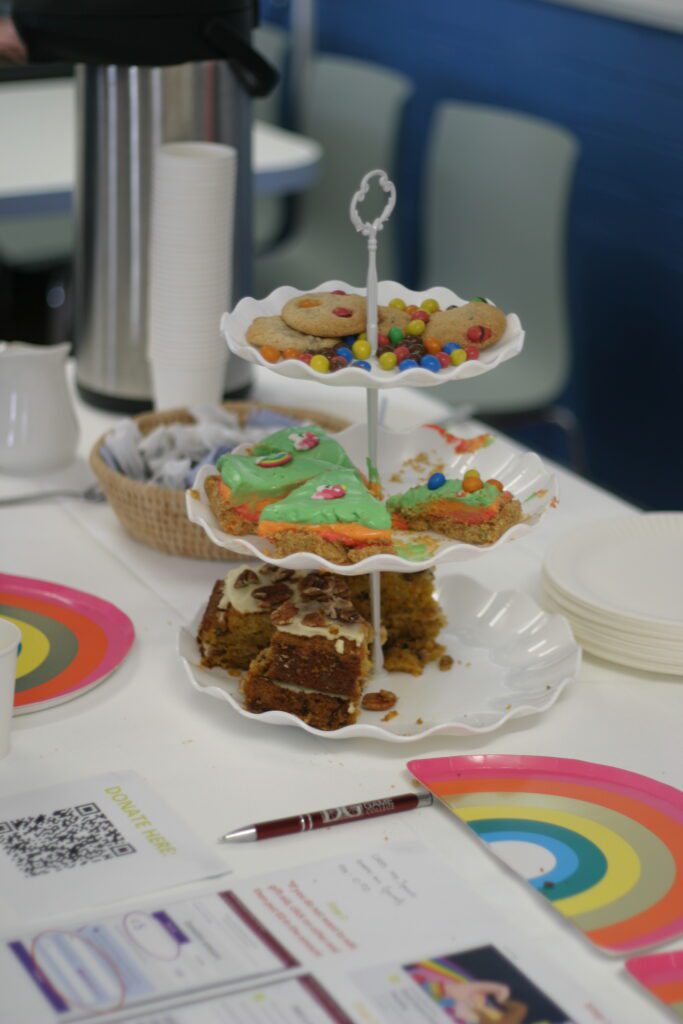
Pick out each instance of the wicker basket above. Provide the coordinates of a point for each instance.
(156, 515)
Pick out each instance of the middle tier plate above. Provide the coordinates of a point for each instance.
(407, 458)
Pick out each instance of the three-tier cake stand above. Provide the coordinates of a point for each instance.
(496, 626)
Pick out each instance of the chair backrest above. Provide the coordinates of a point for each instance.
(354, 112)
(495, 205)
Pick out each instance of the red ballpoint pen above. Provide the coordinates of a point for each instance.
(332, 816)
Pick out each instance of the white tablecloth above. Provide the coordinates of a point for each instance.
(221, 771)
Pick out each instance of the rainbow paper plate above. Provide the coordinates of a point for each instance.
(662, 975)
(70, 640)
(604, 846)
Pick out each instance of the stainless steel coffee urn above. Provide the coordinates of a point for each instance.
(148, 72)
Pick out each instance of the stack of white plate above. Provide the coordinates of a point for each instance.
(620, 584)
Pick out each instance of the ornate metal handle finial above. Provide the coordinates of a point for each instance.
(370, 228)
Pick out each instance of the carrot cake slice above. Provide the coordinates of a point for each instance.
(317, 659)
(236, 624)
(245, 484)
(471, 509)
(333, 515)
(412, 618)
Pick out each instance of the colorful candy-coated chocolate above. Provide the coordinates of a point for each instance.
(478, 333)
(471, 484)
(345, 353)
(408, 364)
(444, 359)
(421, 314)
(435, 481)
(450, 346)
(458, 356)
(397, 304)
(412, 309)
(430, 306)
(270, 354)
(470, 472)
(362, 336)
(338, 291)
(306, 357)
(496, 483)
(396, 335)
(349, 339)
(430, 363)
(362, 364)
(479, 298)
(338, 362)
(416, 328)
(320, 364)
(274, 460)
(432, 345)
(388, 360)
(402, 352)
(291, 353)
(361, 349)
(471, 352)
(382, 341)
(342, 311)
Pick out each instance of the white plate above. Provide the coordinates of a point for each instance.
(523, 474)
(511, 659)
(628, 569)
(234, 328)
(648, 641)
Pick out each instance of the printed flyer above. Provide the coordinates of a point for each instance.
(389, 936)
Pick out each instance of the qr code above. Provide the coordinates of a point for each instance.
(68, 838)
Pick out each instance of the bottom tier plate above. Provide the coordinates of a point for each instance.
(510, 659)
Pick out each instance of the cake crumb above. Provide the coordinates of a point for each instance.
(445, 662)
(419, 721)
(468, 664)
(554, 503)
(235, 672)
(194, 493)
(508, 706)
(389, 715)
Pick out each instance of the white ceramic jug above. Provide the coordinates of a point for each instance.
(38, 427)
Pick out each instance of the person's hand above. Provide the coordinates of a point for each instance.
(12, 49)
(470, 997)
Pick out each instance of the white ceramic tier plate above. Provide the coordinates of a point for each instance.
(522, 473)
(234, 326)
(627, 571)
(510, 660)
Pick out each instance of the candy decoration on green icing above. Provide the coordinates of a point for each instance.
(303, 442)
(250, 482)
(274, 460)
(300, 440)
(329, 493)
(357, 505)
(452, 490)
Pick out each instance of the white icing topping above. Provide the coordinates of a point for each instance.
(243, 591)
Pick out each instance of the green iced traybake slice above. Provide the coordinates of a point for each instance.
(334, 496)
(266, 477)
(310, 440)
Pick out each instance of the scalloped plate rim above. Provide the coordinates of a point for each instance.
(351, 377)
(453, 551)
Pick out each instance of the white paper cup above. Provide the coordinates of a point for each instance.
(10, 638)
(174, 385)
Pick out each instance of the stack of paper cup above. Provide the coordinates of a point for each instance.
(190, 271)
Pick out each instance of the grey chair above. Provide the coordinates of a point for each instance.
(497, 190)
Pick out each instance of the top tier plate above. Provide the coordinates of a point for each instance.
(234, 328)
